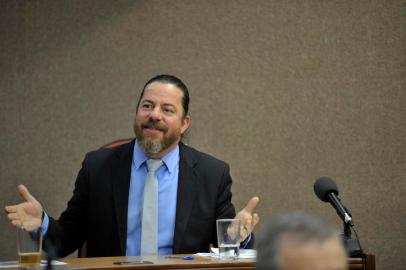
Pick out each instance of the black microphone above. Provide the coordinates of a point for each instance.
(327, 191)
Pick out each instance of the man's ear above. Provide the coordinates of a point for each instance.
(185, 124)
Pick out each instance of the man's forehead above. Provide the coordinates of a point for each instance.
(160, 89)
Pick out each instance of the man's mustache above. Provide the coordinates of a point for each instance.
(154, 124)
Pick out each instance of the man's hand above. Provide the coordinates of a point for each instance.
(28, 214)
(248, 220)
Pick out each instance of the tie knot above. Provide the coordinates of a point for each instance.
(153, 165)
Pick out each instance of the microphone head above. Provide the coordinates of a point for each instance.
(324, 186)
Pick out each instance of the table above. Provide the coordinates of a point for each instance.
(176, 262)
(160, 262)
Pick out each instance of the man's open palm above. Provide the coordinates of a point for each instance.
(28, 214)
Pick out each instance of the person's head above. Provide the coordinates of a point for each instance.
(301, 242)
(162, 115)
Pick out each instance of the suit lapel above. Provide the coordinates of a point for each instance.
(120, 178)
(186, 194)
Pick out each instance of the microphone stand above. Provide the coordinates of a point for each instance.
(51, 254)
(352, 246)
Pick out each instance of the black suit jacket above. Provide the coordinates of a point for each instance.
(97, 211)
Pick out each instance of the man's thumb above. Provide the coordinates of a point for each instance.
(25, 194)
(251, 204)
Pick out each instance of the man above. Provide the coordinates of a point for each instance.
(109, 209)
(300, 242)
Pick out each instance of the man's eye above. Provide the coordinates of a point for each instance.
(169, 110)
(146, 106)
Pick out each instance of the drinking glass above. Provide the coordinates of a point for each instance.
(29, 245)
(228, 237)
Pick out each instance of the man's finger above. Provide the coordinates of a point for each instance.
(25, 194)
(17, 223)
(13, 216)
(251, 204)
(255, 219)
(11, 208)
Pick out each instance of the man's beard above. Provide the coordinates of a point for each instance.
(152, 145)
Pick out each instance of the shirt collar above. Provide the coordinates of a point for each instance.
(171, 159)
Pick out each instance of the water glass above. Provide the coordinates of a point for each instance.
(228, 237)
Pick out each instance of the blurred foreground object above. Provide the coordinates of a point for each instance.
(298, 241)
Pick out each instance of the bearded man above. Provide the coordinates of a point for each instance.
(111, 208)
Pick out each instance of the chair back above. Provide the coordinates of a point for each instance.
(116, 143)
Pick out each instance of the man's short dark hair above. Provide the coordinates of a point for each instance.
(298, 227)
(170, 79)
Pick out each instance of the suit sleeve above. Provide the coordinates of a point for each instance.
(68, 233)
(225, 209)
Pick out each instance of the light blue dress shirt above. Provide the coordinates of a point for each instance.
(167, 176)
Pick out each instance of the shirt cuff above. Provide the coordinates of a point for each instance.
(244, 243)
(45, 224)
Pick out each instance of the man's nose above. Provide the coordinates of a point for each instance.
(156, 114)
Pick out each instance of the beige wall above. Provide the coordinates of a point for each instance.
(285, 91)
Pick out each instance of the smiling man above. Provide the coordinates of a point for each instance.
(154, 195)
(161, 118)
